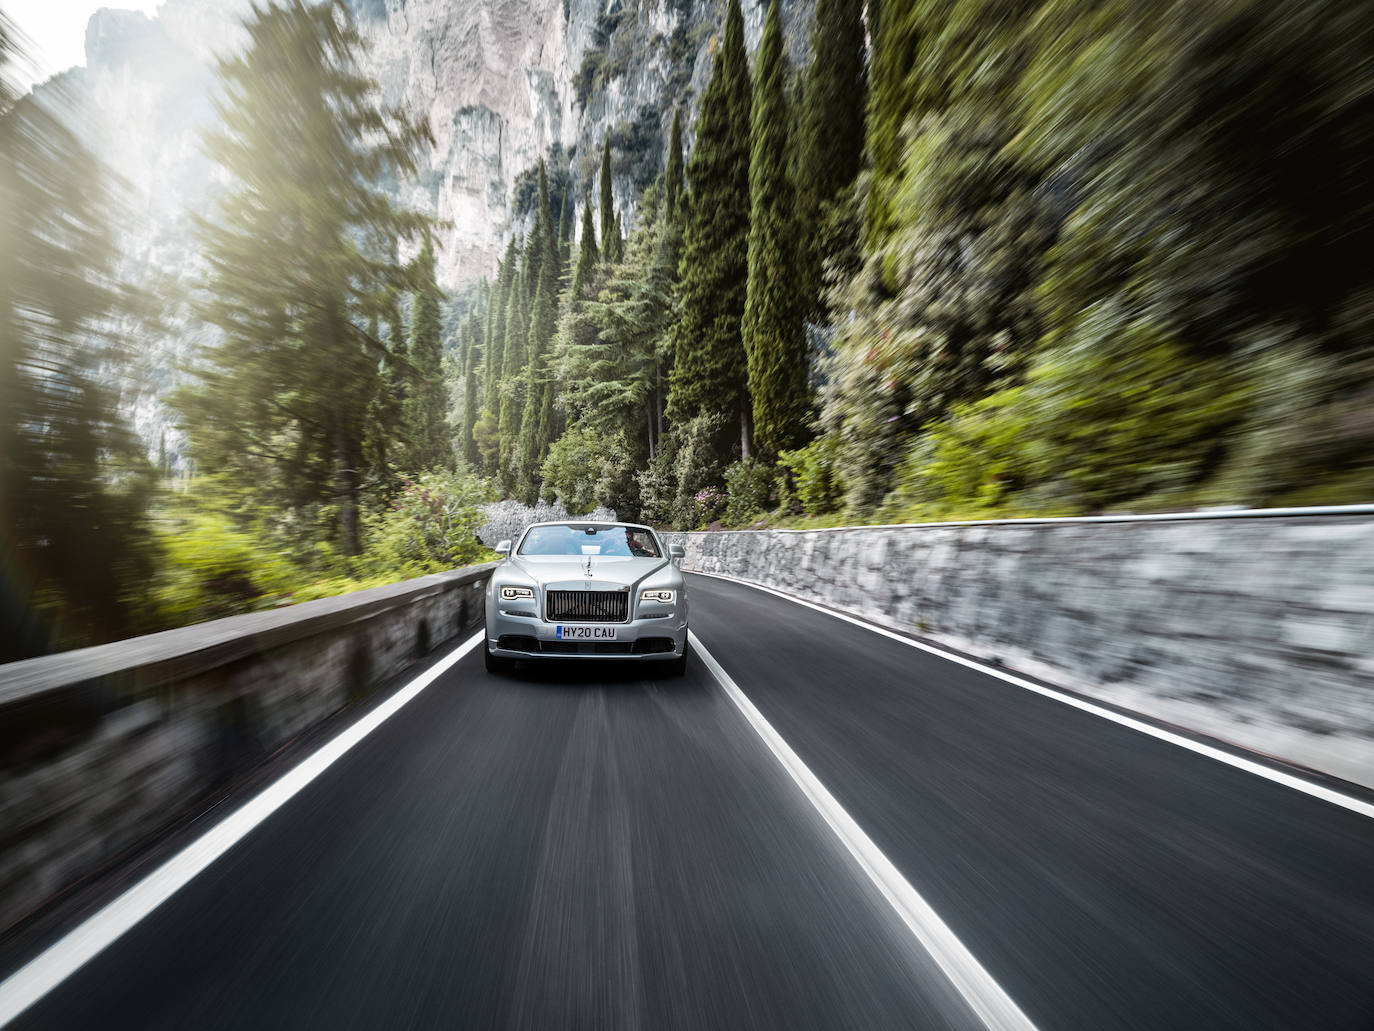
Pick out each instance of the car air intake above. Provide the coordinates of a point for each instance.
(588, 606)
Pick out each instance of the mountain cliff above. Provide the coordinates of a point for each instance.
(502, 82)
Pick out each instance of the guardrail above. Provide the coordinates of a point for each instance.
(103, 747)
(1254, 625)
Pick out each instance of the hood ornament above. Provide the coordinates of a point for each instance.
(587, 570)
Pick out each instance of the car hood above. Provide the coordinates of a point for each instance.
(571, 570)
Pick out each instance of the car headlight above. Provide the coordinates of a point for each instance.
(663, 596)
(516, 593)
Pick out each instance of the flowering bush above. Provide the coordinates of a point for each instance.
(709, 503)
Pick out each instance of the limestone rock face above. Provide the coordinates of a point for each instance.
(500, 81)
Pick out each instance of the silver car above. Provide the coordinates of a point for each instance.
(587, 590)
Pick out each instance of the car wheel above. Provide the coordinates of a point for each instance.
(677, 667)
(496, 664)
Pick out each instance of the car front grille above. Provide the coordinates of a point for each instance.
(588, 606)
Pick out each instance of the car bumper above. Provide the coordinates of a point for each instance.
(640, 640)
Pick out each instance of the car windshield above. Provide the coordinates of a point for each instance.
(622, 541)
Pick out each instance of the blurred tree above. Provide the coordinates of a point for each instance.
(429, 443)
(74, 482)
(299, 246)
(513, 377)
(709, 366)
(895, 37)
(833, 96)
(772, 330)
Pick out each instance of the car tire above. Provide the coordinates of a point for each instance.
(495, 663)
(677, 667)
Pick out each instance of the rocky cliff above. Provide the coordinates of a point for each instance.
(503, 83)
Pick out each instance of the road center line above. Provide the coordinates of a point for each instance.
(83, 943)
(984, 995)
(1240, 762)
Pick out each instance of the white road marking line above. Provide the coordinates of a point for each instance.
(984, 995)
(1307, 787)
(79, 946)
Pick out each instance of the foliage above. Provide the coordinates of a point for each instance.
(673, 184)
(831, 145)
(610, 235)
(813, 477)
(524, 192)
(749, 488)
(587, 469)
(687, 462)
(281, 399)
(774, 341)
(709, 366)
(211, 569)
(430, 526)
(74, 485)
(429, 436)
(708, 503)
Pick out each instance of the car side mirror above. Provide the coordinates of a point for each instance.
(676, 551)
(503, 547)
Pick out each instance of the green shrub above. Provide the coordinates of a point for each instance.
(749, 487)
(813, 475)
(587, 469)
(210, 570)
(430, 526)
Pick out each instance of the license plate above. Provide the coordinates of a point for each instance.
(585, 633)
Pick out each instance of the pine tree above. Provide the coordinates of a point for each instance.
(831, 123)
(608, 233)
(773, 337)
(284, 396)
(587, 256)
(709, 365)
(430, 444)
(672, 179)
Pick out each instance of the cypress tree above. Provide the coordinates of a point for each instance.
(472, 359)
(773, 337)
(709, 367)
(672, 179)
(497, 316)
(607, 204)
(512, 372)
(430, 446)
(890, 101)
(617, 251)
(587, 257)
(831, 126)
(565, 228)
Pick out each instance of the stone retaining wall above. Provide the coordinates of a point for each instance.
(1255, 627)
(102, 747)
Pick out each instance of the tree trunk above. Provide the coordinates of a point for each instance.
(649, 416)
(744, 451)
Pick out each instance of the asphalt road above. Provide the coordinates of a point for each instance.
(590, 847)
